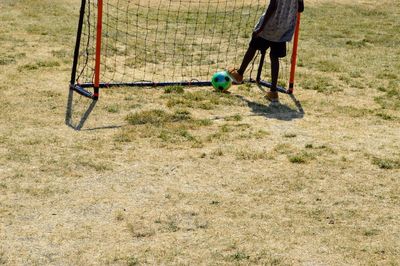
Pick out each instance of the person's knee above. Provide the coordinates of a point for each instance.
(274, 58)
(251, 50)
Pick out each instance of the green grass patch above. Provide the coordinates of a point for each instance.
(357, 43)
(61, 54)
(39, 65)
(240, 256)
(386, 116)
(371, 232)
(177, 135)
(157, 117)
(323, 84)
(387, 75)
(7, 60)
(386, 163)
(253, 155)
(301, 157)
(174, 89)
(329, 65)
(390, 99)
(113, 108)
(290, 135)
(284, 148)
(3, 259)
(167, 127)
(206, 100)
(355, 112)
(223, 133)
(236, 117)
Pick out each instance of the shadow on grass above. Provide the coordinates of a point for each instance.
(276, 110)
(100, 128)
(80, 110)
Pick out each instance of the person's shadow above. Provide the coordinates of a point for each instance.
(276, 110)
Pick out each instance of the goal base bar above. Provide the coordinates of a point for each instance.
(81, 88)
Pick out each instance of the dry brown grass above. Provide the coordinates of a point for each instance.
(222, 179)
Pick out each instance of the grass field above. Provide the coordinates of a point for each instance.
(188, 176)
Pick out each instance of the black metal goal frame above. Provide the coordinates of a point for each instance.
(82, 88)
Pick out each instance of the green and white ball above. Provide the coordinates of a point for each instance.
(221, 81)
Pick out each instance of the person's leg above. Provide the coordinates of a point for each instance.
(278, 50)
(255, 44)
(274, 71)
(249, 55)
(237, 75)
(272, 95)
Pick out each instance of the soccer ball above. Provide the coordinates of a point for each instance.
(221, 81)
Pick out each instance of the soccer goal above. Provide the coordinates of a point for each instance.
(164, 42)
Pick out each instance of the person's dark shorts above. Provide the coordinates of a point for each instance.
(278, 49)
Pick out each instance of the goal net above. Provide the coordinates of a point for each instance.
(161, 42)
